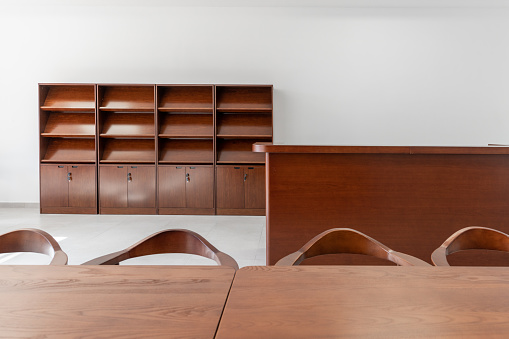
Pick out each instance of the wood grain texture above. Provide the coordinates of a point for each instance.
(69, 98)
(237, 151)
(186, 125)
(200, 187)
(82, 186)
(254, 185)
(113, 186)
(127, 125)
(54, 186)
(230, 187)
(141, 190)
(126, 98)
(367, 302)
(244, 125)
(69, 150)
(192, 98)
(243, 98)
(127, 151)
(70, 125)
(172, 186)
(112, 301)
(194, 151)
(411, 203)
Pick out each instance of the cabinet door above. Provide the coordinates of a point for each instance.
(54, 186)
(230, 187)
(254, 185)
(113, 186)
(199, 187)
(82, 186)
(172, 186)
(141, 187)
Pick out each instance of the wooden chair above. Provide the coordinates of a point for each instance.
(346, 240)
(168, 241)
(33, 240)
(470, 238)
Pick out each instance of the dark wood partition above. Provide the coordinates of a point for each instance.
(409, 198)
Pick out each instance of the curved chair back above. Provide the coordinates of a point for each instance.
(469, 238)
(33, 240)
(346, 240)
(168, 241)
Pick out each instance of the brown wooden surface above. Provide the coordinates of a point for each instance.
(141, 190)
(243, 98)
(238, 151)
(186, 211)
(411, 203)
(127, 151)
(254, 185)
(200, 187)
(113, 186)
(244, 125)
(127, 124)
(126, 98)
(54, 186)
(186, 125)
(240, 211)
(69, 98)
(230, 187)
(70, 125)
(172, 186)
(69, 150)
(186, 98)
(113, 301)
(186, 151)
(367, 302)
(82, 186)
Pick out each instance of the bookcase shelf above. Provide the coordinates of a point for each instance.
(186, 151)
(69, 98)
(244, 125)
(234, 151)
(80, 125)
(244, 98)
(127, 151)
(184, 125)
(128, 98)
(68, 150)
(186, 98)
(116, 125)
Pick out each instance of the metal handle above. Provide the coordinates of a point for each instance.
(245, 176)
(129, 178)
(187, 177)
(69, 178)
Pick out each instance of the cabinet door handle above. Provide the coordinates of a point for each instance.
(188, 179)
(69, 178)
(129, 178)
(245, 176)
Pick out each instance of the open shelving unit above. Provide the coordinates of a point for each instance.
(67, 148)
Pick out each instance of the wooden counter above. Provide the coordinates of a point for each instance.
(409, 198)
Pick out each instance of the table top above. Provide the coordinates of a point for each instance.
(268, 147)
(367, 302)
(112, 301)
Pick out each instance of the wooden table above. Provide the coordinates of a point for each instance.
(408, 198)
(367, 302)
(112, 301)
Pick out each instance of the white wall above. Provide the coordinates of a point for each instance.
(367, 76)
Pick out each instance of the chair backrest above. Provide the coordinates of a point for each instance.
(33, 240)
(168, 241)
(469, 238)
(346, 240)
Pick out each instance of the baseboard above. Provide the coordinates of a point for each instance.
(19, 205)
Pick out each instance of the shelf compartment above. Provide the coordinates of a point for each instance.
(69, 150)
(186, 151)
(69, 98)
(232, 151)
(186, 99)
(117, 125)
(81, 125)
(232, 125)
(244, 98)
(128, 151)
(187, 126)
(127, 98)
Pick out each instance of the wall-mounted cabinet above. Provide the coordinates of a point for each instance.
(153, 148)
(67, 152)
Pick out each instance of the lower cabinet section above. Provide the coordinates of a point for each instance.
(240, 190)
(68, 188)
(186, 189)
(127, 189)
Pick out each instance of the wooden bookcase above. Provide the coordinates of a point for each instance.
(127, 140)
(185, 115)
(153, 149)
(67, 139)
(243, 117)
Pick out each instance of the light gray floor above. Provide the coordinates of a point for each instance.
(84, 237)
